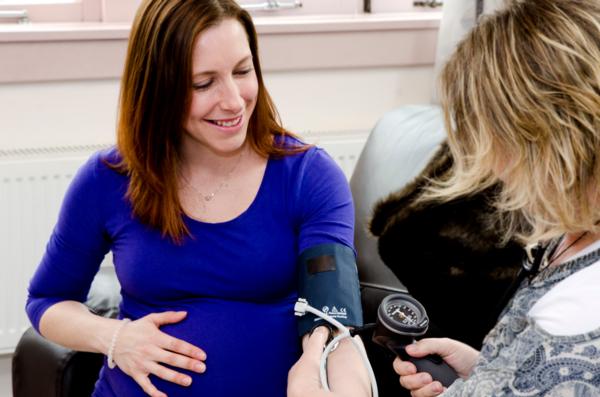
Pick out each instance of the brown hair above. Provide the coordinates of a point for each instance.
(156, 92)
(521, 95)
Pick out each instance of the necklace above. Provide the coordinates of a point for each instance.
(223, 184)
(536, 262)
(555, 255)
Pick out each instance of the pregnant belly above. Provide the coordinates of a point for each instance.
(250, 348)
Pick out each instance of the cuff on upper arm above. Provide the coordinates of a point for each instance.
(328, 280)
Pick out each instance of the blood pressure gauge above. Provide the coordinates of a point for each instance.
(401, 313)
(401, 318)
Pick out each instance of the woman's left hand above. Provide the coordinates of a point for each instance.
(459, 356)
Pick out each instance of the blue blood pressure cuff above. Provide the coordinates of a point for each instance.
(328, 280)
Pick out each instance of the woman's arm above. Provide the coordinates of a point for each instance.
(139, 348)
(347, 375)
(71, 324)
(323, 206)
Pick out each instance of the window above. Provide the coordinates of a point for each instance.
(377, 6)
(12, 11)
(67, 10)
(44, 10)
(302, 7)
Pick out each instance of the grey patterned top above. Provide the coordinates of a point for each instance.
(519, 358)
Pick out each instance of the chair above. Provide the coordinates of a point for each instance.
(450, 256)
(43, 368)
(399, 147)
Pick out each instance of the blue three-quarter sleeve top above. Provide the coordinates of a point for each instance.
(236, 279)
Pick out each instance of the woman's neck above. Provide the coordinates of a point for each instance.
(194, 159)
(572, 244)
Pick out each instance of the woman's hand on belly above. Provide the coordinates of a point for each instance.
(141, 348)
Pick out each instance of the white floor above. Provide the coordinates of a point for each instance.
(5, 380)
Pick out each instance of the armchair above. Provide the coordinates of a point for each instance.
(43, 368)
(399, 147)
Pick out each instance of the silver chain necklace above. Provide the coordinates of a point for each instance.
(224, 183)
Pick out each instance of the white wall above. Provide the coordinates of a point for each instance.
(57, 113)
(346, 99)
(84, 112)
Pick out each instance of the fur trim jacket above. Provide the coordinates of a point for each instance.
(449, 255)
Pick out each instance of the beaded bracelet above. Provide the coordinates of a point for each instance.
(113, 342)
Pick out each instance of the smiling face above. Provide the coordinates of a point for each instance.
(224, 90)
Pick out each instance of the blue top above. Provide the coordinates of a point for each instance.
(236, 279)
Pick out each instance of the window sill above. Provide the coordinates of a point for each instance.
(53, 32)
(52, 51)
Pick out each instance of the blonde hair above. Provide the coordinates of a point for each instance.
(521, 98)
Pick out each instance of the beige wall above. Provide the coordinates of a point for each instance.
(84, 112)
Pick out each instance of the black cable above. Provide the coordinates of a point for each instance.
(362, 330)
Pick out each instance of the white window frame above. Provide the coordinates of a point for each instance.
(115, 11)
(61, 11)
(303, 7)
(393, 6)
(122, 11)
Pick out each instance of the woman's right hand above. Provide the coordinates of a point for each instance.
(141, 348)
(459, 356)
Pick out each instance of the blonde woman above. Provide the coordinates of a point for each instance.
(522, 102)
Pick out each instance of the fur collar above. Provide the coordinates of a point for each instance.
(451, 250)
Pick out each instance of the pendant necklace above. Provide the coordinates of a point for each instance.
(224, 183)
(548, 260)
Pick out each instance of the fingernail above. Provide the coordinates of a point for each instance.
(319, 331)
(426, 378)
(438, 388)
(411, 348)
(199, 367)
(187, 381)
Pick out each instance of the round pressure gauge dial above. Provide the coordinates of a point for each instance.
(401, 318)
(403, 315)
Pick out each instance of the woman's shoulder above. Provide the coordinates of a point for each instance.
(104, 159)
(109, 155)
(291, 142)
(302, 153)
(102, 167)
(311, 169)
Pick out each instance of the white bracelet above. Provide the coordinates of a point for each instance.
(113, 342)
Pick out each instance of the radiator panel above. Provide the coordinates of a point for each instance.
(30, 196)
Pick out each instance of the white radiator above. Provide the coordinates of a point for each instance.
(344, 147)
(33, 183)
